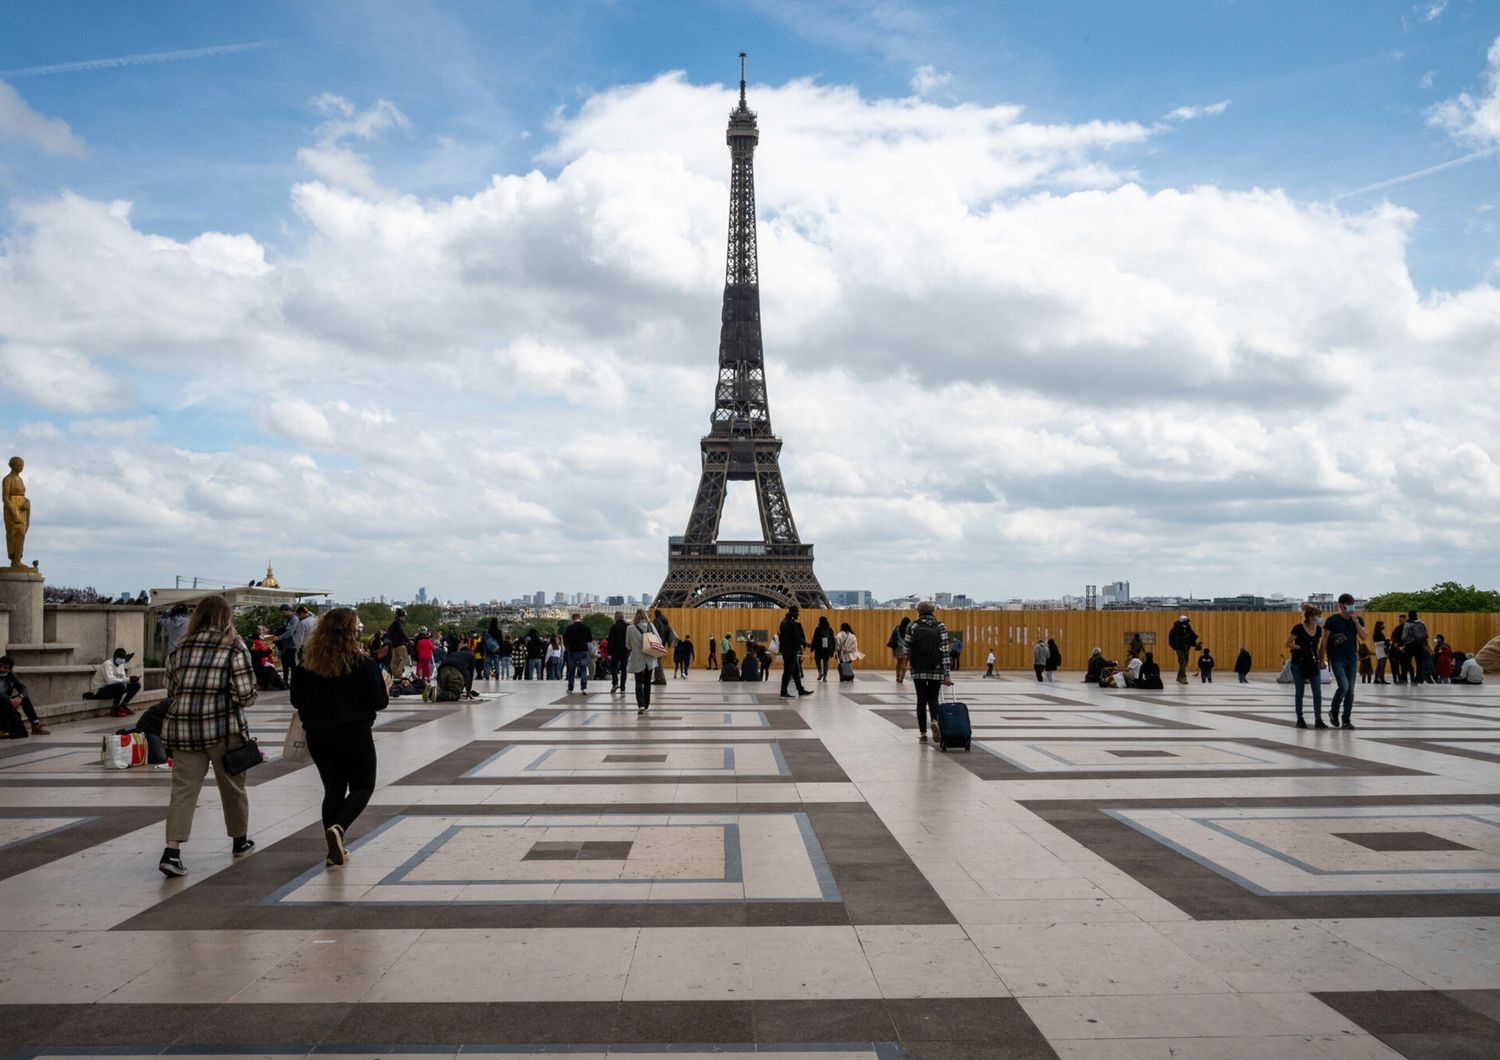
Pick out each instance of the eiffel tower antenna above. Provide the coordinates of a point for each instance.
(740, 445)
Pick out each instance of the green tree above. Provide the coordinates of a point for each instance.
(1442, 597)
(374, 614)
(249, 621)
(599, 624)
(419, 615)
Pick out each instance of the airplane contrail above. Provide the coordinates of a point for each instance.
(1486, 153)
(140, 59)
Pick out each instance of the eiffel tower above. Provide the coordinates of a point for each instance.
(777, 570)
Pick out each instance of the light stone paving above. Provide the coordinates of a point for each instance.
(603, 871)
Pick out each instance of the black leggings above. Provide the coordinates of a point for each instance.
(345, 757)
(643, 681)
(928, 692)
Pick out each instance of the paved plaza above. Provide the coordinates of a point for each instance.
(1108, 874)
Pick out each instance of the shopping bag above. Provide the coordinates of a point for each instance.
(122, 750)
(294, 747)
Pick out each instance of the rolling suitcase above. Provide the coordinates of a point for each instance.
(950, 724)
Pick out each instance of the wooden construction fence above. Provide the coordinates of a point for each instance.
(1011, 634)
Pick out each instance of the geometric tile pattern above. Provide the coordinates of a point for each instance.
(632, 760)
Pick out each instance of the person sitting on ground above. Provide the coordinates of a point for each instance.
(1442, 660)
(1470, 673)
(15, 701)
(1132, 673)
(730, 670)
(266, 677)
(113, 683)
(1097, 665)
(750, 668)
(1150, 675)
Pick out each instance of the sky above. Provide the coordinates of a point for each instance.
(1199, 294)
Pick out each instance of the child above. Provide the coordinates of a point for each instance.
(989, 664)
(1206, 667)
(1242, 665)
(1366, 666)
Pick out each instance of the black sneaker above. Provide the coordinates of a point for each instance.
(171, 864)
(805, 692)
(1301, 724)
(922, 736)
(1319, 724)
(243, 846)
(1348, 724)
(337, 852)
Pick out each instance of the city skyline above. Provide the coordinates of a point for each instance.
(1207, 294)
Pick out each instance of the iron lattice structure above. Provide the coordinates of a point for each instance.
(740, 446)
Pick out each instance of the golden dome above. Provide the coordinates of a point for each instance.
(269, 581)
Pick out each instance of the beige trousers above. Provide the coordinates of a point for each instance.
(400, 660)
(188, 770)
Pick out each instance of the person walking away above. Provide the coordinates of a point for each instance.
(576, 640)
(503, 658)
(641, 666)
(423, 648)
(989, 665)
(1038, 659)
(930, 659)
(668, 638)
(619, 653)
(1443, 660)
(1305, 642)
(822, 646)
(1366, 664)
(210, 683)
(686, 652)
(337, 693)
(112, 682)
(1343, 636)
(1182, 640)
(713, 652)
(1206, 667)
(846, 650)
(792, 639)
(400, 642)
(518, 658)
(286, 647)
(1054, 660)
(897, 644)
(1382, 653)
(494, 647)
(1242, 665)
(1418, 650)
(536, 654)
(1396, 649)
(15, 700)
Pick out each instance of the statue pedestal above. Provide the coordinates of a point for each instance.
(21, 591)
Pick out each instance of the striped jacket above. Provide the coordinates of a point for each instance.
(210, 682)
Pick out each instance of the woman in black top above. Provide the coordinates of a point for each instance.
(822, 646)
(337, 691)
(1381, 652)
(1305, 644)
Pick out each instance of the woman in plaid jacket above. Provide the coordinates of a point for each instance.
(210, 683)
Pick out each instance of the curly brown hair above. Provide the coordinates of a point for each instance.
(333, 647)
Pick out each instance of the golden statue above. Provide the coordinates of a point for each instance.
(17, 513)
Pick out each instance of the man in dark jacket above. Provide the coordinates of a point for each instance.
(400, 642)
(286, 646)
(1182, 639)
(14, 700)
(619, 654)
(791, 639)
(669, 640)
(576, 640)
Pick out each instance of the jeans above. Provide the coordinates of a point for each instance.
(503, 665)
(121, 693)
(1244, 679)
(1040, 668)
(491, 667)
(643, 688)
(345, 757)
(927, 699)
(822, 663)
(533, 669)
(1299, 678)
(791, 671)
(1343, 676)
(1205, 676)
(578, 663)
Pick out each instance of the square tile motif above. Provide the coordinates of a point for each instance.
(602, 760)
(998, 720)
(669, 718)
(1289, 850)
(772, 857)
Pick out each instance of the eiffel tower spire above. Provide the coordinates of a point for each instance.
(739, 445)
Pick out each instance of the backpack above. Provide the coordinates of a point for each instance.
(924, 646)
(450, 684)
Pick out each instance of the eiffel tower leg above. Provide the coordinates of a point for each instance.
(708, 506)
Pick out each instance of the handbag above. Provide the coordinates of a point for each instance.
(238, 759)
(294, 747)
(652, 645)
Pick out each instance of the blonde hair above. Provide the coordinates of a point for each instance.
(1310, 610)
(640, 614)
(333, 647)
(213, 615)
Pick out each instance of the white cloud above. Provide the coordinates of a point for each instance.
(18, 122)
(1188, 113)
(927, 79)
(1426, 81)
(331, 159)
(980, 370)
(1474, 119)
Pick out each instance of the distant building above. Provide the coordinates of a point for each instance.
(1115, 593)
(851, 598)
(539, 598)
(942, 599)
(616, 601)
(422, 595)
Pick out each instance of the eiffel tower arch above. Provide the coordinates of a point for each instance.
(740, 445)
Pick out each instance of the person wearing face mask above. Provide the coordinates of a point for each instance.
(113, 683)
(1342, 637)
